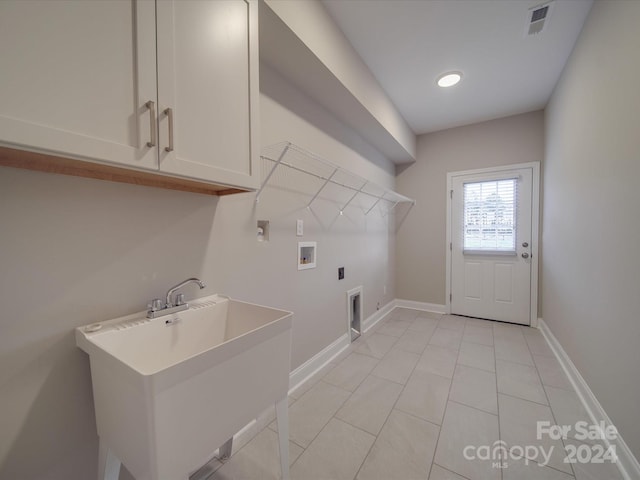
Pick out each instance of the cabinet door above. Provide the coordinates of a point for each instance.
(76, 76)
(208, 77)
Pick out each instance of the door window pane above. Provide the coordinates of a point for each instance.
(490, 216)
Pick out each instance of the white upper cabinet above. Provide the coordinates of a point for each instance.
(82, 79)
(70, 84)
(207, 67)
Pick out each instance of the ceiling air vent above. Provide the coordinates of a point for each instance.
(538, 17)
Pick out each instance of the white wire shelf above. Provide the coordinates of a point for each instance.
(286, 154)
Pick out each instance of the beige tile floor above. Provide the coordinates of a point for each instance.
(406, 398)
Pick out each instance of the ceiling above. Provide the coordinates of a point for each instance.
(407, 44)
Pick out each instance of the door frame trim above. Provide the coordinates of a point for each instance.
(535, 224)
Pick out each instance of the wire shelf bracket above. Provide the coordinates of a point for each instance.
(322, 187)
(391, 209)
(375, 203)
(297, 157)
(266, 180)
(354, 196)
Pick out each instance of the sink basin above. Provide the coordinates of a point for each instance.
(168, 391)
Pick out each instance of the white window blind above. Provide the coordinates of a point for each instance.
(490, 216)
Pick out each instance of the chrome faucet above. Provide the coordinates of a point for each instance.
(158, 309)
(180, 298)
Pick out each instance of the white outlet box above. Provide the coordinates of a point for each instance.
(299, 228)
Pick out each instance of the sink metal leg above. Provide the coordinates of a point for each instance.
(282, 413)
(108, 463)
(224, 452)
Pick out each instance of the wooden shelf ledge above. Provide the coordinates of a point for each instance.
(10, 157)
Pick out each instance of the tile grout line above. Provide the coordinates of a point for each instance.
(460, 402)
(553, 415)
(364, 459)
(404, 351)
(416, 417)
(495, 365)
(449, 470)
(523, 399)
(376, 333)
(333, 416)
(480, 368)
(531, 401)
(304, 449)
(404, 386)
(346, 400)
(444, 414)
(473, 408)
(430, 373)
(319, 380)
(387, 418)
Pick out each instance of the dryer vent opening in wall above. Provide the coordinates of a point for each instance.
(354, 312)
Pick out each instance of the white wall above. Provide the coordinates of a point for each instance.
(591, 198)
(75, 251)
(421, 238)
(313, 24)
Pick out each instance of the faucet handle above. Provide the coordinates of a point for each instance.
(155, 305)
(179, 299)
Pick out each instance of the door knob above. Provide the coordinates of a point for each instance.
(525, 244)
(525, 255)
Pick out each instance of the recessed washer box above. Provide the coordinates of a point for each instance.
(306, 255)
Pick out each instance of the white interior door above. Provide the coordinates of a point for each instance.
(491, 245)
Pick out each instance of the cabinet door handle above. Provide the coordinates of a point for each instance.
(153, 127)
(169, 113)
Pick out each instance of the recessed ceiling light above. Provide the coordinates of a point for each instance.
(449, 79)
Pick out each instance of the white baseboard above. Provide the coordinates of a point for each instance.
(378, 315)
(627, 462)
(535, 322)
(427, 307)
(296, 378)
(319, 360)
(305, 371)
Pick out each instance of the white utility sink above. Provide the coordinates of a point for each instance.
(169, 391)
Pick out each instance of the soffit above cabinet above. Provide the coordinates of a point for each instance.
(284, 51)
